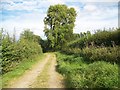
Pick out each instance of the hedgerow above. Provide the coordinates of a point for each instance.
(13, 52)
(101, 46)
(106, 38)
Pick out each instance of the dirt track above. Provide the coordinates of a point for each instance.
(41, 75)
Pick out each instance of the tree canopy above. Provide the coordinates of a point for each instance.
(30, 36)
(59, 24)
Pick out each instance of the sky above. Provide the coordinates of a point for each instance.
(92, 15)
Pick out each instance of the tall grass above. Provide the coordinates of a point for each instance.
(80, 74)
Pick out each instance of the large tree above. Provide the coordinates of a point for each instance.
(59, 24)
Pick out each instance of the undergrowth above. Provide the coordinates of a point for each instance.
(80, 74)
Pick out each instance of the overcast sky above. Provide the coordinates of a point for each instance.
(91, 15)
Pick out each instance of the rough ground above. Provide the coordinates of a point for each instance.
(41, 75)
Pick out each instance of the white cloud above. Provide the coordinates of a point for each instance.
(96, 16)
(53, 2)
(26, 5)
(92, 16)
(33, 21)
(37, 28)
(90, 8)
(29, 4)
(83, 26)
(91, 0)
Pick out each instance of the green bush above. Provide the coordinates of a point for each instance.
(109, 54)
(93, 61)
(13, 52)
(69, 51)
(96, 75)
(106, 38)
(66, 62)
(80, 74)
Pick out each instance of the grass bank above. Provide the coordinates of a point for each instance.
(81, 74)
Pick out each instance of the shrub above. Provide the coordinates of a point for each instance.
(96, 75)
(106, 38)
(79, 74)
(14, 52)
(109, 54)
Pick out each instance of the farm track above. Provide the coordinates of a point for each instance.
(41, 75)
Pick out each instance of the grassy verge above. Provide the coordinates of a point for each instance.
(80, 74)
(20, 69)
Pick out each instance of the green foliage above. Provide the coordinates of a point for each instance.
(91, 54)
(45, 45)
(14, 52)
(0, 51)
(95, 75)
(28, 35)
(101, 46)
(94, 63)
(69, 51)
(109, 54)
(106, 38)
(80, 74)
(101, 74)
(67, 63)
(59, 24)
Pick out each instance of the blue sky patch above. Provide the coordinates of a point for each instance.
(30, 14)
